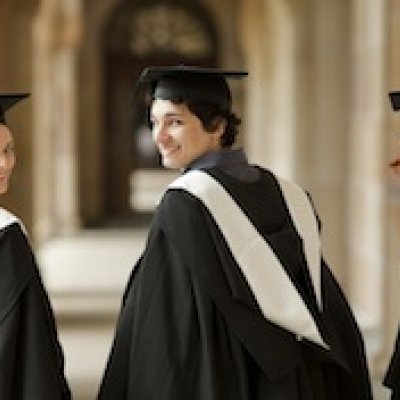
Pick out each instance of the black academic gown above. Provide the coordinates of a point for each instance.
(190, 327)
(31, 360)
(392, 376)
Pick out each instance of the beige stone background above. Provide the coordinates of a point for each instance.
(315, 110)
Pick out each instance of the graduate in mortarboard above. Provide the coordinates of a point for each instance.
(231, 299)
(31, 359)
(395, 101)
(392, 375)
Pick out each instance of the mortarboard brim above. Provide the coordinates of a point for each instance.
(190, 82)
(152, 74)
(9, 100)
(395, 100)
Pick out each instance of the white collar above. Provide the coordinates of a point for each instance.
(7, 218)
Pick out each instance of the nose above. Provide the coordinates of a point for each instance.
(160, 134)
(3, 160)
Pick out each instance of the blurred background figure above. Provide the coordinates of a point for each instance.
(395, 101)
(31, 359)
(392, 376)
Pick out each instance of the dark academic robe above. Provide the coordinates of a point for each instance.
(191, 328)
(31, 360)
(392, 376)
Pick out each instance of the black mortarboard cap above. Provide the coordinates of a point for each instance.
(189, 83)
(7, 101)
(395, 100)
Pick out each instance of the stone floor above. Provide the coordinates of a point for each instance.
(85, 275)
(86, 349)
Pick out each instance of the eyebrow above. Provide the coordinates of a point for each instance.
(168, 115)
(172, 114)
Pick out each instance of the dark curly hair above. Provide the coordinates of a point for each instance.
(210, 114)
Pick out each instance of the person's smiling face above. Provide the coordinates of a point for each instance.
(7, 157)
(179, 134)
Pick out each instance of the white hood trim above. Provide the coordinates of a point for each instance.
(275, 293)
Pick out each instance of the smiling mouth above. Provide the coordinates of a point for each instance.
(169, 152)
(395, 163)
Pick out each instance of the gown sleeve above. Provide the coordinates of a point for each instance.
(169, 333)
(31, 359)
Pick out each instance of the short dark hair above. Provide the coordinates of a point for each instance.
(209, 114)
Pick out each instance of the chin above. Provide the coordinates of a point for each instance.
(170, 164)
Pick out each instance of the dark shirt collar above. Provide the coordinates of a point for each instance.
(220, 158)
(231, 162)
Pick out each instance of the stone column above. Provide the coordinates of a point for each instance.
(269, 52)
(322, 122)
(57, 34)
(43, 146)
(66, 91)
(365, 186)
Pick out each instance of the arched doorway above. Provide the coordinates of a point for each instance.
(141, 34)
